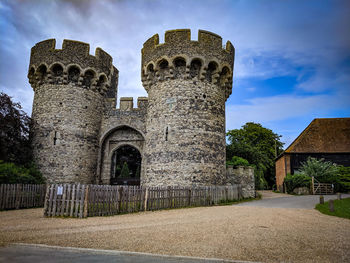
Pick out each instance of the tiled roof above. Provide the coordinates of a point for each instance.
(328, 135)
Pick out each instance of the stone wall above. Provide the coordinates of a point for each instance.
(65, 132)
(185, 140)
(244, 176)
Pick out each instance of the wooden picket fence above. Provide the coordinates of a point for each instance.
(16, 196)
(76, 200)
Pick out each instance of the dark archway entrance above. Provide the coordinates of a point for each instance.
(126, 166)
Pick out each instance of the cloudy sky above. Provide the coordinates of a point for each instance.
(292, 57)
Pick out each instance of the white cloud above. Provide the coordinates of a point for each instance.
(308, 40)
(277, 108)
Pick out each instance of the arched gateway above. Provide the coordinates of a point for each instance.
(122, 150)
(126, 166)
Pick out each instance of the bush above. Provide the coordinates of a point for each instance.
(296, 180)
(343, 179)
(327, 172)
(237, 161)
(11, 173)
(260, 181)
(323, 171)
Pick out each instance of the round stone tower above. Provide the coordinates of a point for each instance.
(188, 83)
(70, 91)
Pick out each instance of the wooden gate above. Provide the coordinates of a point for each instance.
(321, 188)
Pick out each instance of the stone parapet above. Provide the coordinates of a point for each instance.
(72, 64)
(127, 104)
(179, 57)
(244, 176)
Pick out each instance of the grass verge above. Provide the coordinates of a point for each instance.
(341, 208)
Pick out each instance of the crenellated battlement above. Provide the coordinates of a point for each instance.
(182, 37)
(127, 104)
(180, 57)
(72, 63)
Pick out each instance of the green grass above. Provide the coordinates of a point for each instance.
(341, 208)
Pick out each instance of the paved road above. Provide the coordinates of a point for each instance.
(20, 253)
(291, 201)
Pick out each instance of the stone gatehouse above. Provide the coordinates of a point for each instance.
(175, 136)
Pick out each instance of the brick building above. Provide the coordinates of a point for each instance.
(327, 138)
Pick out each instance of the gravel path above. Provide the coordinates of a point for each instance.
(228, 232)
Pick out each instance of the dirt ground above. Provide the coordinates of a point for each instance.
(227, 232)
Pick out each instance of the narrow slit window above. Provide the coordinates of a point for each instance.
(55, 138)
(166, 134)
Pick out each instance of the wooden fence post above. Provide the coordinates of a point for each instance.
(46, 199)
(86, 201)
(18, 195)
(339, 196)
(321, 199)
(331, 205)
(120, 198)
(146, 199)
(312, 185)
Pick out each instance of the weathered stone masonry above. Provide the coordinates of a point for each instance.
(179, 129)
(71, 88)
(187, 84)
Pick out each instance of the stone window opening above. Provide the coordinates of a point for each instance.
(73, 74)
(180, 67)
(57, 72)
(150, 71)
(163, 68)
(163, 64)
(166, 133)
(195, 68)
(210, 71)
(223, 75)
(55, 138)
(42, 72)
(101, 81)
(87, 79)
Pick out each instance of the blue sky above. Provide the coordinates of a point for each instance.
(292, 57)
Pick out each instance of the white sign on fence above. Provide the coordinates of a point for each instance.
(59, 190)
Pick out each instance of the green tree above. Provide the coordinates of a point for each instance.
(16, 156)
(11, 173)
(125, 173)
(15, 145)
(259, 146)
